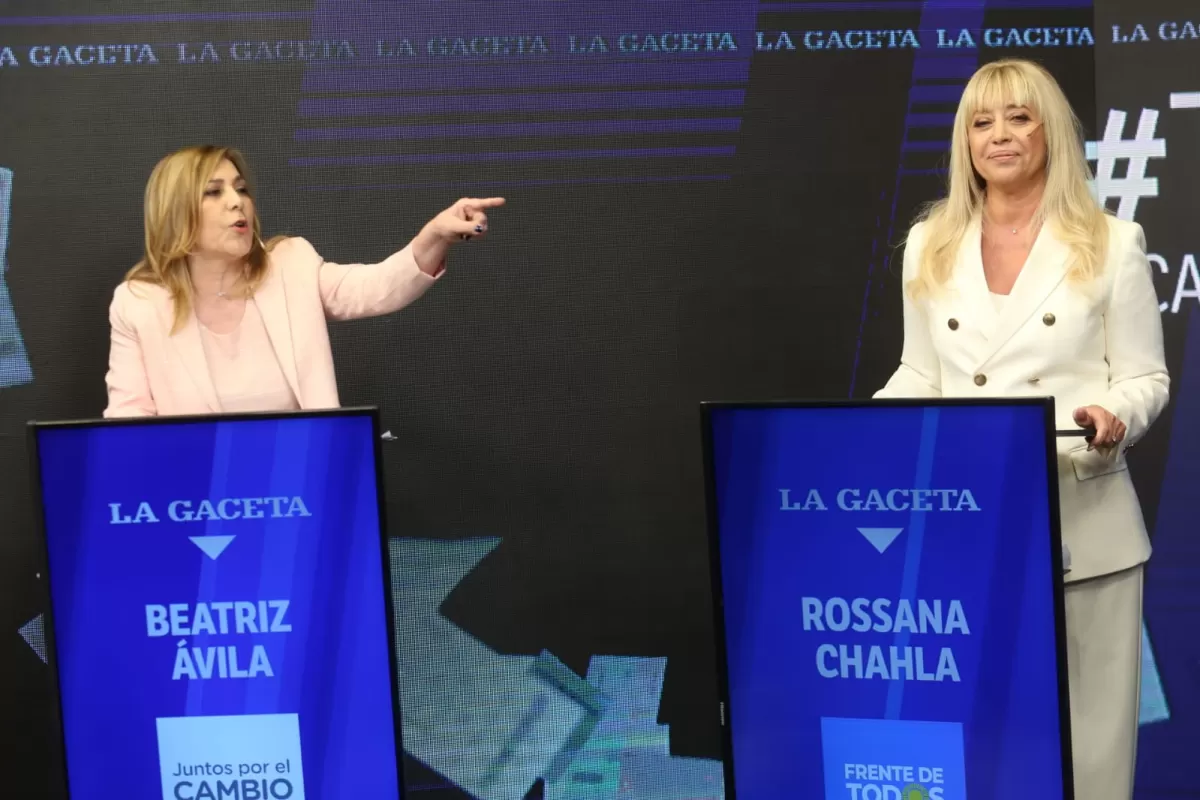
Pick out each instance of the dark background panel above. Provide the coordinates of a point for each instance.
(1148, 53)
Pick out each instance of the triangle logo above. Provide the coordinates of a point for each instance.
(34, 634)
(881, 538)
(212, 546)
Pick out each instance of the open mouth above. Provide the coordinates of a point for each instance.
(241, 224)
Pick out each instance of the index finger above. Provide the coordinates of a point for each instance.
(485, 202)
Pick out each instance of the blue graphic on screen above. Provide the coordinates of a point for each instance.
(219, 614)
(14, 363)
(888, 575)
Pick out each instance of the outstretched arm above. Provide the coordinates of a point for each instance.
(352, 291)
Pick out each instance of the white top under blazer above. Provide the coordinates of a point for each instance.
(1095, 343)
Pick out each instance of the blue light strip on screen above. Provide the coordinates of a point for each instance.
(616, 100)
(561, 128)
(923, 5)
(912, 550)
(209, 578)
(505, 157)
(490, 75)
(148, 19)
(520, 183)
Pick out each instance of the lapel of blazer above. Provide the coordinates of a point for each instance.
(972, 283)
(1044, 269)
(271, 299)
(190, 351)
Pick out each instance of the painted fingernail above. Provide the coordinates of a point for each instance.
(479, 229)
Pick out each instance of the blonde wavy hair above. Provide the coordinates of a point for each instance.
(1067, 204)
(172, 223)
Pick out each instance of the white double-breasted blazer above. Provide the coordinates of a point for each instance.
(1094, 343)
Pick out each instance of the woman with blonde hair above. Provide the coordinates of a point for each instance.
(213, 319)
(1018, 283)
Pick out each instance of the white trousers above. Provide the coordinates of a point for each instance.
(1104, 660)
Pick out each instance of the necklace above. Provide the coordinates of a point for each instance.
(1014, 231)
(221, 290)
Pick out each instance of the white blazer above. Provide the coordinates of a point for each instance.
(1084, 344)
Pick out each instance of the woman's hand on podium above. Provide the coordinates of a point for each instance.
(465, 220)
(1109, 430)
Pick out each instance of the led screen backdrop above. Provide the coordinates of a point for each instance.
(1148, 168)
(705, 201)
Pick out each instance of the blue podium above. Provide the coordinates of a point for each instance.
(219, 624)
(889, 588)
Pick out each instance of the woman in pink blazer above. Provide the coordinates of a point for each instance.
(215, 320)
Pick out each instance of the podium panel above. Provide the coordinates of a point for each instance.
(889, 584)
(219, 626)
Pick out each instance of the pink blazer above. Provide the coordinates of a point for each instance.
(152, 372)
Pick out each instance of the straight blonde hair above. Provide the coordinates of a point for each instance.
(1067, 204)
(172, 223)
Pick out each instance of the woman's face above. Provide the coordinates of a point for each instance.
(1008, 146)
(226, 215)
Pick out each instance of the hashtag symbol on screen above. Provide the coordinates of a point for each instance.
(1136, 152)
